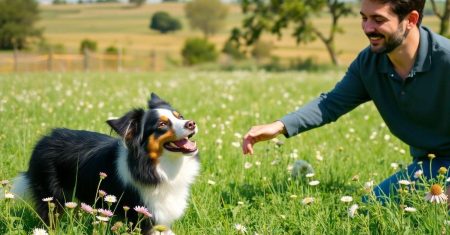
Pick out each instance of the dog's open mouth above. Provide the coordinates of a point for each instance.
(184, 145)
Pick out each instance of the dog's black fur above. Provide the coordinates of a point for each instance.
(67, 163)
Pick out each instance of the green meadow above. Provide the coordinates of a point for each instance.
(234, 194)
(256, 193)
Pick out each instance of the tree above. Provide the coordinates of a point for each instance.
(198, 50)
(137, 3)
(87, 44)
(17, 19)
(163, 22)
(274, 16)
(444, 17)
(207, 15)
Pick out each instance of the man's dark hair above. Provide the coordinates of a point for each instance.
(403, 7)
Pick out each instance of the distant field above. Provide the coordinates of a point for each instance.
(122, 26)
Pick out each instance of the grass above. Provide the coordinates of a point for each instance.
(257, 192)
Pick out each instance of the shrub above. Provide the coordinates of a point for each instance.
(230, 48)
(89, 45)
(163, 22)
(111, 50)
(197, 50)
(261, 50)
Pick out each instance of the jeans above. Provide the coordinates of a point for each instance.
(389, 186)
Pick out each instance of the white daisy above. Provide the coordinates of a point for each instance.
(240, 228)
(346, 199)
(9, 196)
(39, 231)
(307, 200)
(410, 209)
(47, 199)
(418, 173)
(353, 210)
(71, 205)
(102, 218)
(314, 183)
(394, 165)
(404, 182)
(436, 194)
(110, 198)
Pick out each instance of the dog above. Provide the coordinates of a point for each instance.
(152, 164)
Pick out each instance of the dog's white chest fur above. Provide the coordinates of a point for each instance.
(167, 200)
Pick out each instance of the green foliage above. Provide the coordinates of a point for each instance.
(45, 47)
(163, 22)
(112, 50)
(232, 49)
(137, 3)
(206, 15)
(261, 50)
(276, 16)
(88, 44)
(197, 50)
(57, 2)
(17, 23)
(443, 15)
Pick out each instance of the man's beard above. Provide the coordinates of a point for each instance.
(390, 42)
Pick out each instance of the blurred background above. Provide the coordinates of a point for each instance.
(158, 35)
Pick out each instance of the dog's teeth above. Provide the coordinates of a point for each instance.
(173, 145)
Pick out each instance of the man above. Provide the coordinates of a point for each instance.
(406, 73)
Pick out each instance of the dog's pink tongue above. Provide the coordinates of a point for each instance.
(185, 144)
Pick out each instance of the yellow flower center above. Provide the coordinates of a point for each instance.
(442, 171)
(436, 189)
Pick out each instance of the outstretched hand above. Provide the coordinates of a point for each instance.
(261, 133)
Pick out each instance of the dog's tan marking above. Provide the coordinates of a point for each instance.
(164, 119)
(155, 144)
(176, 114)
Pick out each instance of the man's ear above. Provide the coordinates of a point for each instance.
(127, 126)
(413, 19)
(156, 102)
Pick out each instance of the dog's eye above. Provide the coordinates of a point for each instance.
(162, 124)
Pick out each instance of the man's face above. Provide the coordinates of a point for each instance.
(382, 26)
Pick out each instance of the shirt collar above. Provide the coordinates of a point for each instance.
(423, 60)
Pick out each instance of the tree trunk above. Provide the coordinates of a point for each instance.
(332, 52)
(445, 19)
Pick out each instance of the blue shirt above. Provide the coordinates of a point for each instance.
(416, 110)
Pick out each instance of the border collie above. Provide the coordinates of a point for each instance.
(152, 164)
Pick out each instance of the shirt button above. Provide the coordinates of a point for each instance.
(392, 75)
(403, 92)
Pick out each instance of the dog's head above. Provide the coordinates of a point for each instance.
(156, 131)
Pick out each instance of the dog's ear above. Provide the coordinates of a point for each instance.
(156, 102)
(127, 126)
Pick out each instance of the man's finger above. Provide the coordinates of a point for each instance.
(247, 145)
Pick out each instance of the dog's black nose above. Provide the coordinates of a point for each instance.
(190, 125)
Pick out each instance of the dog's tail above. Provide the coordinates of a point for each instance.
(20, 187)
